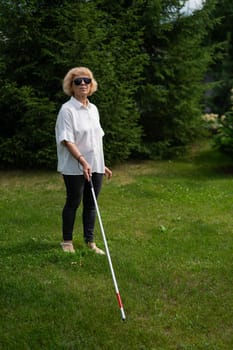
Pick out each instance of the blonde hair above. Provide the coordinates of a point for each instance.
(72, 73)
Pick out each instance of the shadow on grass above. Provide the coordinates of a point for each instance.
(215, 163)
(28, 247)
(43, 253)
(204, 165)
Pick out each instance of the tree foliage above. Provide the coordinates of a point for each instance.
(42, 40)
(221, 71)
(148, 57)
(29, 83)
(171, 97)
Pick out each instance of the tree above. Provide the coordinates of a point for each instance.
(145, 54)
(222, 69)
(40, 41)
(29, 83)
(172, 94)
(111, 44)
(221, 73)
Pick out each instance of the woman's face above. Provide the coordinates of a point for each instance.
(81, 86)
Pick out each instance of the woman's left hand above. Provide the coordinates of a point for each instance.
(108, 172)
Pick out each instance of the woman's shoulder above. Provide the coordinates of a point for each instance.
(93, 106)
(67, 105)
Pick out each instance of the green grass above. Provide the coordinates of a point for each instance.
(169, 229)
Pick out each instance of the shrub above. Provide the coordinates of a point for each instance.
(224, 136)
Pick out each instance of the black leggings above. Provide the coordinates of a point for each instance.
(77, 189)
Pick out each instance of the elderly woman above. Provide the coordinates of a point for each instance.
(80, 155)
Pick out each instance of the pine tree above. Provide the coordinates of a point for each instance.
(222, 69)
(40, 42)
(172, 94)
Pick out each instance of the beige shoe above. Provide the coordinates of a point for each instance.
(67, 247)
(97, 250)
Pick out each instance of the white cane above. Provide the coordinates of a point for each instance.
(108, 254)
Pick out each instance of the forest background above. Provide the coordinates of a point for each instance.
(164, 76)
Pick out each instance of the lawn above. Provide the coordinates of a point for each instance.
(169, 226)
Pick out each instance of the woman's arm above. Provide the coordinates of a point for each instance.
(108, 172)
(73, 149)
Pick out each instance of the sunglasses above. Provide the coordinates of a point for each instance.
(78, 81)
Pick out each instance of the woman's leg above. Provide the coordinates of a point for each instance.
(89, 211)
(74, 191)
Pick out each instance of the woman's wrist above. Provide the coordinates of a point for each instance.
(80, 157)
(82, 161)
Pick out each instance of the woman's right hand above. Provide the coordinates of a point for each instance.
(86, 170)
(80, 158)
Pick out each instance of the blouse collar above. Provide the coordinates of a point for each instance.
(78, 104)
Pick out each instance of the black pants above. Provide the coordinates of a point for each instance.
(78, 189)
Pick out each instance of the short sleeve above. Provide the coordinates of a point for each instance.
(64, 126)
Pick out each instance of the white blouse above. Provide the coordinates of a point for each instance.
(81, 126)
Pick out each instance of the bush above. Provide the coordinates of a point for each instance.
(27, 134)
(224, 135)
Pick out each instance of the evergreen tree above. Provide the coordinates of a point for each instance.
(221, 71)
(29, 82)
(172, 94)
(110, 43)
(40, 41)
(147, 57)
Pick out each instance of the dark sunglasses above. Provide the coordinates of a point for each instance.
(78, 81)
